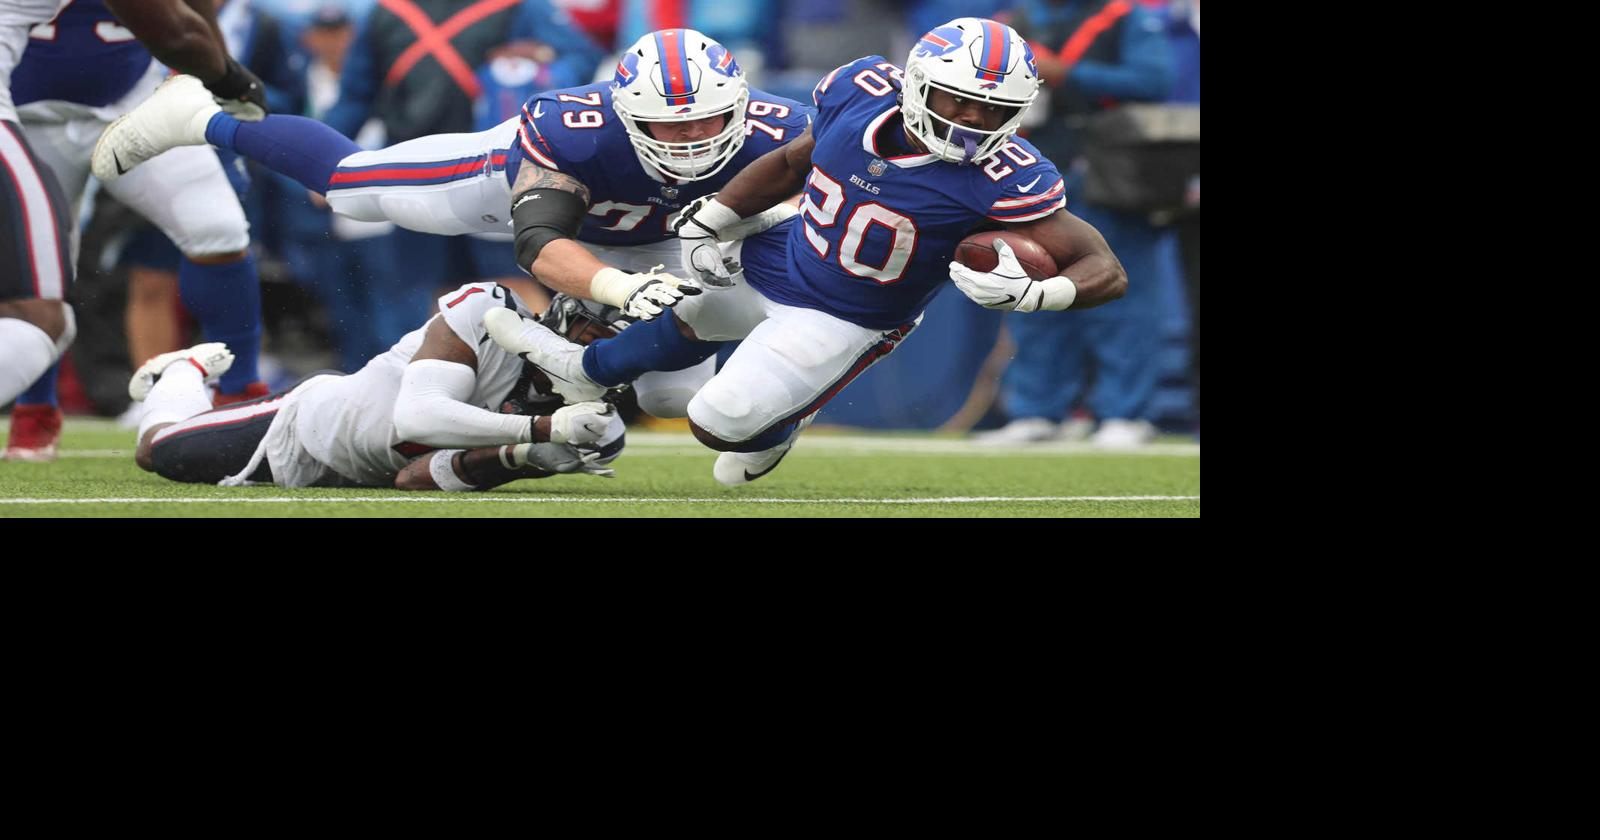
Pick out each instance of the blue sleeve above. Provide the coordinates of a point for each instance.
(795, 118)
(548, 142)
(838, 89)
(1145, 73)
(576, 54)
(358, 84)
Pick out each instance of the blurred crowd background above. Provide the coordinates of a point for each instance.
(1119, 115)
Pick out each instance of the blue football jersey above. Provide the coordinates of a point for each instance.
(877, 230)
(577, 132)
(82, 56)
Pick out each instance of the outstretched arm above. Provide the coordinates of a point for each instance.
(182, 35)
(547, 211)
(459, 470)
(771, 179)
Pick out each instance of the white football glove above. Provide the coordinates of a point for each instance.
(641, 297)
(697, 229)
(1008, 288)
(580, 424)
(550, 457)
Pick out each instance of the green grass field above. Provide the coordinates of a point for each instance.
(831, 473)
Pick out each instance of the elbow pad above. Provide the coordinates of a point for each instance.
(541, 217)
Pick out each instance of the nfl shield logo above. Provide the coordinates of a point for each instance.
(669, 192)
(877, 168)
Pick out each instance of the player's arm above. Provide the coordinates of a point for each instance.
(771, 179)
(1084, 258)
(184, 35)
(752, 202)
(458, 470)
(432, 409)
(547, 211)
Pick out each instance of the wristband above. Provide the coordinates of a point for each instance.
(444, 475)
(611, 287)
(1059, 293)
(714, 216)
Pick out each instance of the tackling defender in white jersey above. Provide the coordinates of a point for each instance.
(426, 415)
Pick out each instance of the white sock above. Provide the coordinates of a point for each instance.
(26, 352)
(179, 394)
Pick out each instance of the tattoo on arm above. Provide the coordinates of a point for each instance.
(535, 177)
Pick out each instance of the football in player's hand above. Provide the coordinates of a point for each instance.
(977, 253)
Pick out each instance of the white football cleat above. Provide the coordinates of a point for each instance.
(559, 358)
(175, 115)
(213, 360)
(735, 468)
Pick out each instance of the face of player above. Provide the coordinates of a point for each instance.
(690, 131)
(971, 113)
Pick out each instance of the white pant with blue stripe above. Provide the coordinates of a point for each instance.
(792, 360)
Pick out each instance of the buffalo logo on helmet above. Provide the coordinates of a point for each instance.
(627, 69)
(940, 41)
(722, 61)
(1027, 55)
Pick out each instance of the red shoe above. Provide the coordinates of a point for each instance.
(254, 390)
(35, 431)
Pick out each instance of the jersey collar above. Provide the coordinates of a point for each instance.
(869, 141)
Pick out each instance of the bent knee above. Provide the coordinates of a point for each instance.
(726, 413)
(48, 315)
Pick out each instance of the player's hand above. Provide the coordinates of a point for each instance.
(550, 457)
(697, 236)
(240, 93)
(1007, 288)
(580, 424)
(703, 261)
(654, 292)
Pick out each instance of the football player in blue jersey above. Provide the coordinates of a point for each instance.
(67, 67)
(897, 170)
(584, 182)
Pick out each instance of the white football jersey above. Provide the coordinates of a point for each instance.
(346, 423)
(17, 17)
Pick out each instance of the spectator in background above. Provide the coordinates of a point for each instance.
(599, 18)
(349, 265)
(749, 29)
(417, 85)
(1183, 34)
(1092, 55)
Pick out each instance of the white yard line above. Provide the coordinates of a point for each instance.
(463, 499)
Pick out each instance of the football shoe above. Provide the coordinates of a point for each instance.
(35, 432)
(560, 359)
(735, 468)
(175, 115)
(212, 359)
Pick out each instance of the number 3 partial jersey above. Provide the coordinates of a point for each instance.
(877, 229)
(577, 132)
(83, 55)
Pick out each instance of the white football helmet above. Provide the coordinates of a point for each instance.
(974, 58)
(676, 75)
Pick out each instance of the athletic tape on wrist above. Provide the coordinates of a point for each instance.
(444, 475)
